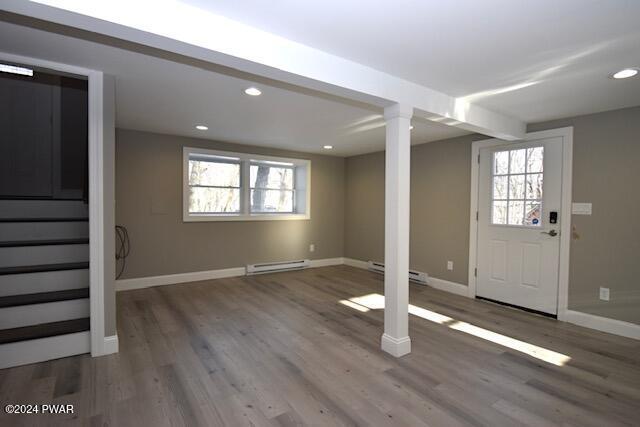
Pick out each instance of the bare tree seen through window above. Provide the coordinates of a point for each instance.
(271, 188)
(259, 196)
(214, 187)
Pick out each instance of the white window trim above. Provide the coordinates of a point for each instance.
(244, 215)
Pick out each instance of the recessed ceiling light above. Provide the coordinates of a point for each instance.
(201, 127)
(5, 68)
(253, 91)
(328, 147)
(626, 73)
(411, 127)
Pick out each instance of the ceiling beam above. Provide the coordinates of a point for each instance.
(185, 30)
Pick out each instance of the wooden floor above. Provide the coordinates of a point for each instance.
(280, 349)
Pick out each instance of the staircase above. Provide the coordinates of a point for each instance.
(44, 280)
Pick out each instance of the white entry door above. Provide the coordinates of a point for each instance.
(519, 200)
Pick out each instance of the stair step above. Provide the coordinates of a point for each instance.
(42, 297)
(61, 219)
(43, 230)
(49, 242)
(43, 209)
(48, 312)
(44, 267)
(44, 330)
(47, 281)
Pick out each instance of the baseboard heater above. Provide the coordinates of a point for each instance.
(414, 276)
(270, 267)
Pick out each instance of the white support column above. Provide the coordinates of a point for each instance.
(395, 339)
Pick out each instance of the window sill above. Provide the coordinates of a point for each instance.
(244, 217)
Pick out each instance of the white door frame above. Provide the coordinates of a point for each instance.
(565, 210)
(96, 190)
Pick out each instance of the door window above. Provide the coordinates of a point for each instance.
(517, 177)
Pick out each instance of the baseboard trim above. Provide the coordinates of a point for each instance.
(174, 279)
(111, 345)
(326, 262)
(603, 324)
(356, 263)
(447, 286)
(43, 349)
(434, 282)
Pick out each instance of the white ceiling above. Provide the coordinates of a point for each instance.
(534, 60)
(163, 96)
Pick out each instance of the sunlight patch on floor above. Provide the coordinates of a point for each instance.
(371, 301)
(376, 302)
(354, 305)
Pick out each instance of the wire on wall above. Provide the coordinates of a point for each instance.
(123, 247)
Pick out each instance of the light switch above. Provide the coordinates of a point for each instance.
(581, 208)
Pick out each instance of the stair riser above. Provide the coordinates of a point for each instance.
(43, 209)
(34, 255)
(43, 230)
(48, 281)
(40, 350)
(27, 315)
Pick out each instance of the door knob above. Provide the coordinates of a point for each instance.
(552, 233)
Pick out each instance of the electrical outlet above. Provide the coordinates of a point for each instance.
(312, 247)
(604, 294)
(450, 265)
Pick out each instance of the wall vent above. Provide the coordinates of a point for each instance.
(270, 267)
(414, 276)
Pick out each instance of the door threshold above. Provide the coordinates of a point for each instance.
(517, 307)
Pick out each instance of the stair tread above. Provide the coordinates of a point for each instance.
(44, 330)
(46, 219)
(44, 267)
(44, 297)
(45, 242)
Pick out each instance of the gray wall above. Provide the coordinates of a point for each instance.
(347, 217)
(440, 177)
(149, 204)
(606, 173)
